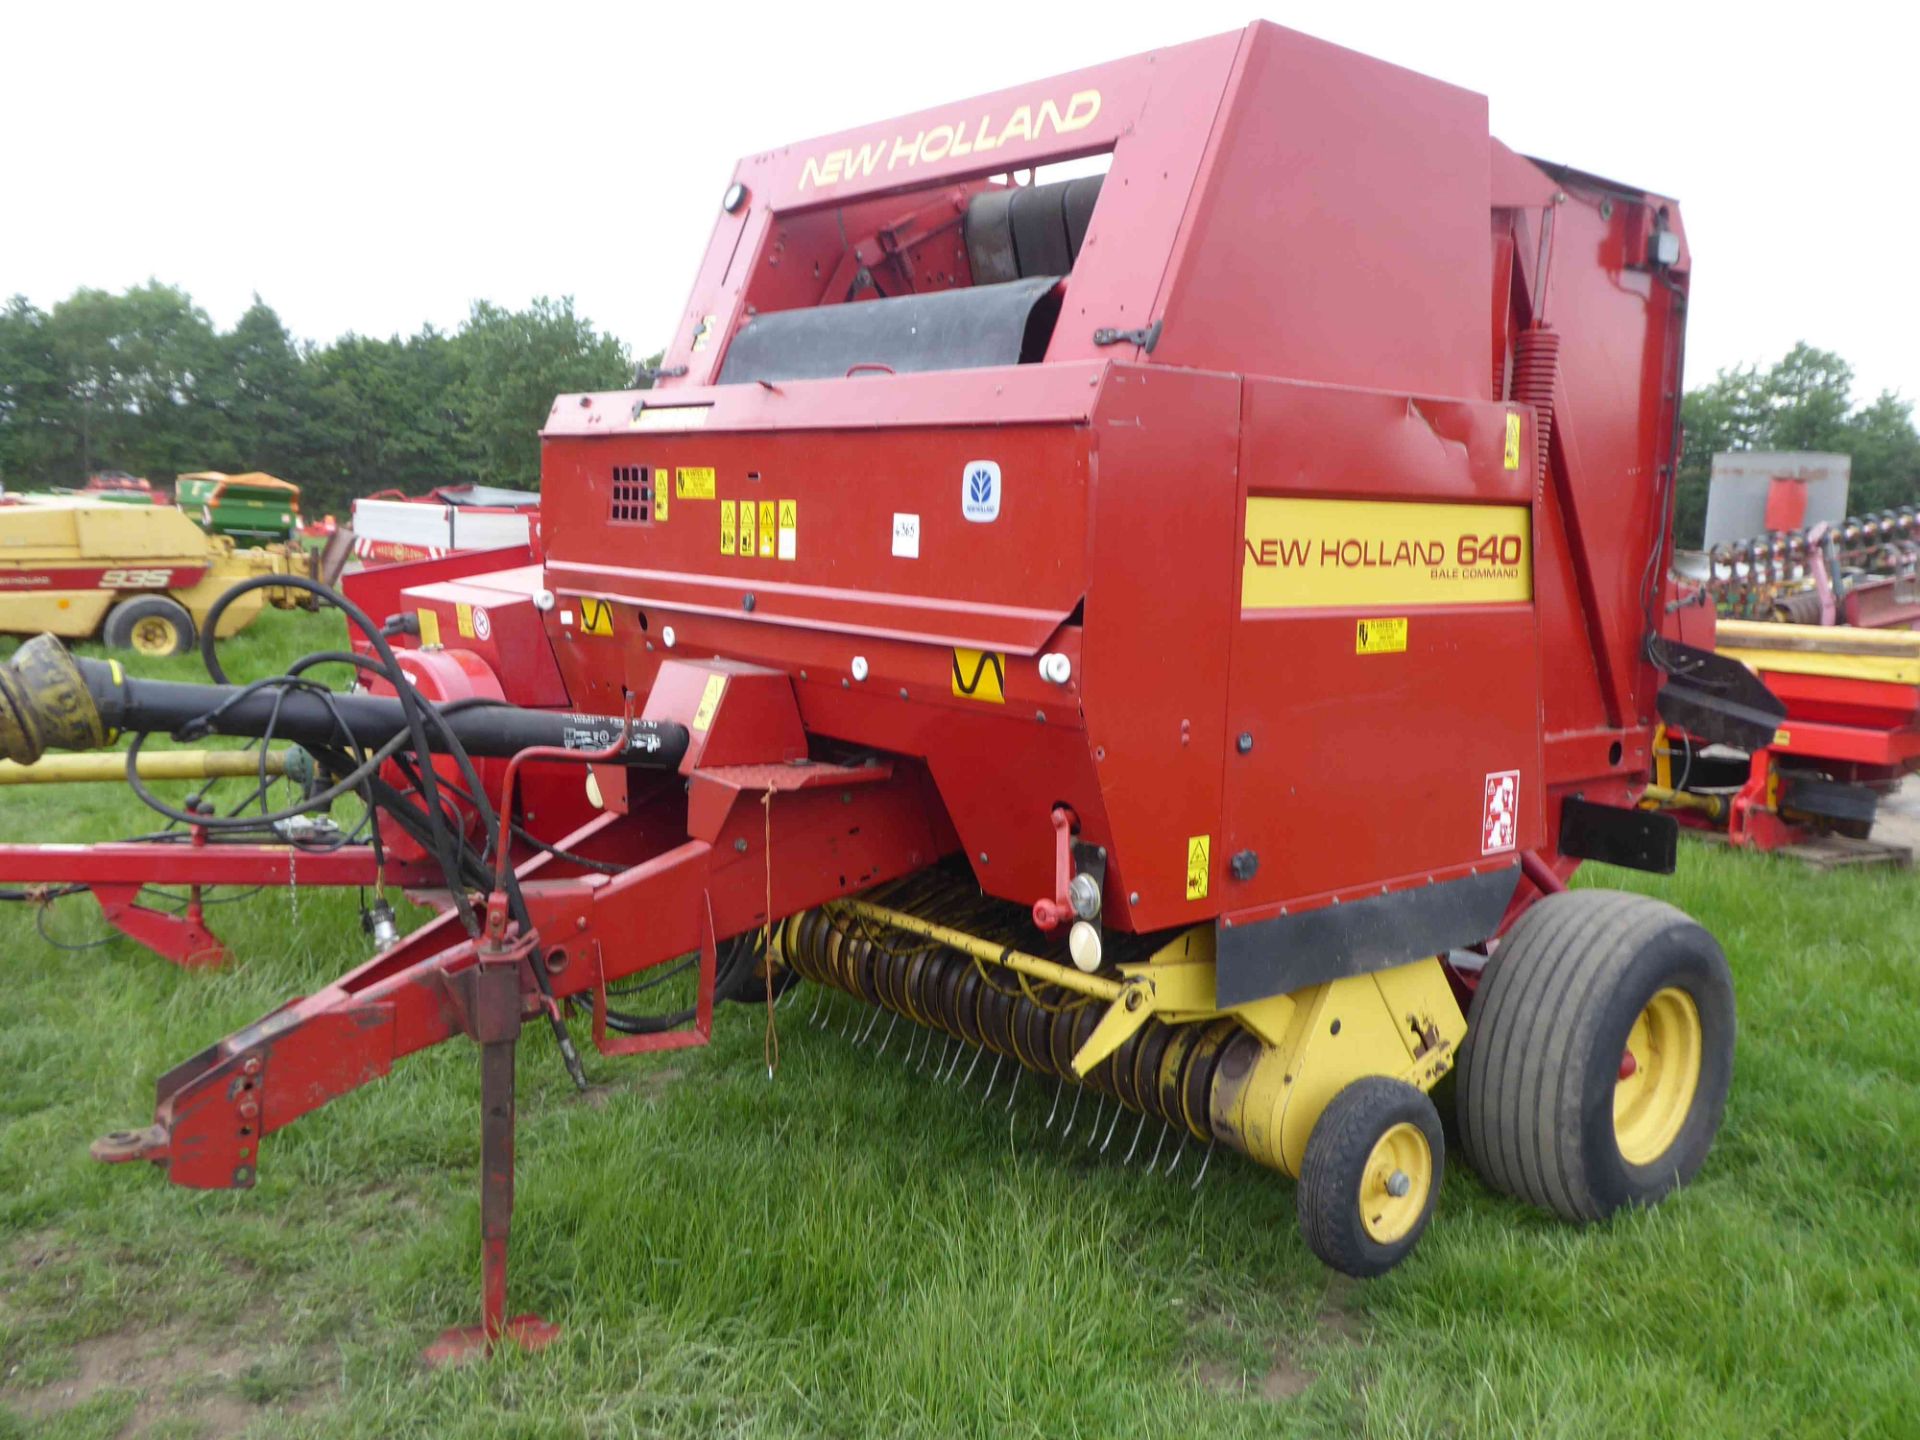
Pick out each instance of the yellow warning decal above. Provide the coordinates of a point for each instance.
(1513, 440)
(1199, 865)
(596, 616)
(766, 530)
(429, 627)
(709, 701)
(660, 492)
(789, 529)
(746, 529)
(726, 527)
(980, 675)
(1380, 637)
(1305, 554)
(1781, 737)
(463, 619)
(694, 482)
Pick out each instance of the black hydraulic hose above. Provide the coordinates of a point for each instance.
(484, 727)
(412, 704)
(448, 848)
(735, 971)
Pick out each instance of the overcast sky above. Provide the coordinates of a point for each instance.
(371, 169)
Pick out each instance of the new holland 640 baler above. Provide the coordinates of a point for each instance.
(1164, 628)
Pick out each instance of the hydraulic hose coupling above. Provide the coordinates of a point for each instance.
(45, 704)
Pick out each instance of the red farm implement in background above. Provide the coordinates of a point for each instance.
(1824, 614)
(390, 528)
(1173, 628)
(1849, 736)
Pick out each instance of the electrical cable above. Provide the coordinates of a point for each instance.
(40, 924)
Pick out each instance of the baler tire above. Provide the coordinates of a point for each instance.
(1341, 1216)
(123, 627)
(1556, 1014)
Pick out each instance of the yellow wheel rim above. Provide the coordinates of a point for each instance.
(1395, 1184)
(155, 635)
(1658, 1077)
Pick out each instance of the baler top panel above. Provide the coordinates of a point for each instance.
(1275, 204)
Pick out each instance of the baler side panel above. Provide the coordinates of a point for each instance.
(1302, 254)
(1616, 403)
(1369, 766)
(856, 588)
(1578, 705)
(1001, 585)
(1163, 572)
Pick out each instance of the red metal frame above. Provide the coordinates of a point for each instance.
(1858, 731)
(115, 874)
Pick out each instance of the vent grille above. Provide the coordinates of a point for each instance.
(632, 495)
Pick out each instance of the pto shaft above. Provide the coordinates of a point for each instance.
(51, 701)
(294, 763)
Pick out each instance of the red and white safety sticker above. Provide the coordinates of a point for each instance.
(1500, 812)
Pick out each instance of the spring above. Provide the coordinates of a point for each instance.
(1536, 364)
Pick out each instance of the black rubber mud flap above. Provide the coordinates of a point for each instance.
(1617, 835)
(1290, 952)
(1716, 699)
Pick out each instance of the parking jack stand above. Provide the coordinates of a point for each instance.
(492, 993)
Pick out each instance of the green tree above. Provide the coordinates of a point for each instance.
(1729, 414)
(1803, 402)
(385, 417)
(258, 401)
(133, 365)
(515, 363)
(1886, 454)
(35, 406)
(1809, 394)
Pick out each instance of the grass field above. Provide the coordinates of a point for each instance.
(855, 1249)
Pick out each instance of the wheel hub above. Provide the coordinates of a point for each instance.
(154, 635)
(1393, 1192)
(1658, 1076)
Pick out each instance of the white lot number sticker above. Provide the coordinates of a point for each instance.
(1500, 812)
(906, 536)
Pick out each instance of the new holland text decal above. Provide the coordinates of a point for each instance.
(965, 135)
(1309, 553)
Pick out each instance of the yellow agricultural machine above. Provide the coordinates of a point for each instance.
(139, 577)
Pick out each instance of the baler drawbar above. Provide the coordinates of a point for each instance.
(1173, 627)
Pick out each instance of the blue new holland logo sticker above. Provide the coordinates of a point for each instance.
(980, 490)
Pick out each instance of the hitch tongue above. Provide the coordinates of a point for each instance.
(123, 1146)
